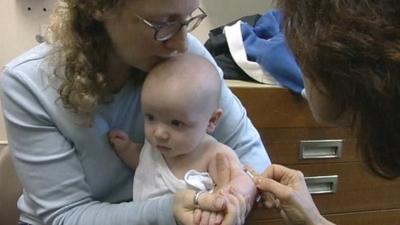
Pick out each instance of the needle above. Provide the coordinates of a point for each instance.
(258, 197)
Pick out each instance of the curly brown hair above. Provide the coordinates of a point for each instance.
(352, 49)
(84, 44)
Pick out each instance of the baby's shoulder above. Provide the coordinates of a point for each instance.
(214, 147)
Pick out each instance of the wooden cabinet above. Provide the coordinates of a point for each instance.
(348, 192)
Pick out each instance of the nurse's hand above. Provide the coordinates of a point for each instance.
(286, 189)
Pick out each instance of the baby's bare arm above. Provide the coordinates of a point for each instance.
(127, 150)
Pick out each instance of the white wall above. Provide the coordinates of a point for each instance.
(18, 25)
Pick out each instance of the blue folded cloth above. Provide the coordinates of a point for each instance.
(265, 44)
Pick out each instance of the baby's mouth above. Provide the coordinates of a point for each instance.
(163, 148)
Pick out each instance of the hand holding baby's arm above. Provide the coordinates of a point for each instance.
(127, 150)
(224, 171)
(240, 184)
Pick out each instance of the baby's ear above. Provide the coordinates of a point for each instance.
(214, 119)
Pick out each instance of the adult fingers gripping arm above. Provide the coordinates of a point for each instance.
(220, 170)
(60, 186)
(239, 182)
(240, 204)
(184, 208)
(185, 211)
(289, 187)
(241, 185)
(235, 203)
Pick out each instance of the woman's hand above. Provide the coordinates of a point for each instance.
(228, 180)
(243, 187)
(184, 206)
(235, 181)
(286, 189)
(221, 201)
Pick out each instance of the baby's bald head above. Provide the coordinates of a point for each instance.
(190, 76)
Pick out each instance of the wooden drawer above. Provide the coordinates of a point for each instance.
(275, 107)
(284, 121)
(284, 145)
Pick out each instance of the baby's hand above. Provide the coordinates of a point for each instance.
(119, 140)
(127, 150)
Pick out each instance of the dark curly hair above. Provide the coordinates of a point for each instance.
(351, 48)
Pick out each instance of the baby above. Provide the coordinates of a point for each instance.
(180, 104)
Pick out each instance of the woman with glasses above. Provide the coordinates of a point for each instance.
(61, 98)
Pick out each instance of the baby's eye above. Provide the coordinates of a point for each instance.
(176, 123)
(149, 117)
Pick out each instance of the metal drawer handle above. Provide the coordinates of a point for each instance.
(320, 149)
(322, 184)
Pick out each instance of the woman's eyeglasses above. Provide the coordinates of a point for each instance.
(166, 31)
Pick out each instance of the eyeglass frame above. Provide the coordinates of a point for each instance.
(158, 27)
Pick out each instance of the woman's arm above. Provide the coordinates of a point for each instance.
(57, 187)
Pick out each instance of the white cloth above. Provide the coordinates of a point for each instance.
(153, 178)
(201, 181)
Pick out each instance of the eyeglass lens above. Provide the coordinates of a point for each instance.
(171, 29)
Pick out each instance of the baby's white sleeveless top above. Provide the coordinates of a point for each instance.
(153, 178)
